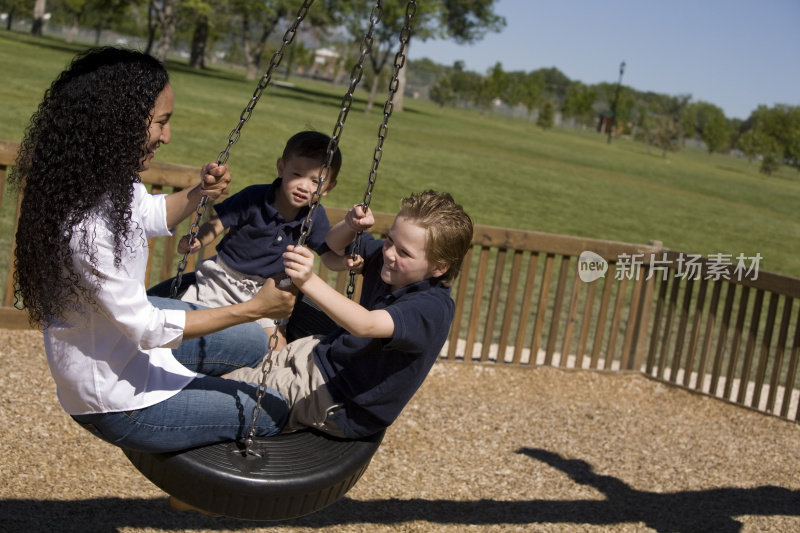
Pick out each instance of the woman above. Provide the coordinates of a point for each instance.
(142, 373)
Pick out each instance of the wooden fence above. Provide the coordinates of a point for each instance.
(715, 325)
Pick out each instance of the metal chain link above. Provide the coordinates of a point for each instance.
(305, 227)
(234, 135)
(383, 129)
(255, 414)
(356, 74)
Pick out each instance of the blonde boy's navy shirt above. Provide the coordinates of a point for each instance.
(375, 378)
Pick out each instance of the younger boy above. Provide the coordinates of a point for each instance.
(263, 220)
(356, 381)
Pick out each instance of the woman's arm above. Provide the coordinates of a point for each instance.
(181, 204)
(121, 297)
(358, 320)
(269, 301)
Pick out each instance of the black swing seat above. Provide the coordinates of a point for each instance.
(296, 473)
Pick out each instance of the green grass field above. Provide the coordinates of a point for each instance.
(506, 172)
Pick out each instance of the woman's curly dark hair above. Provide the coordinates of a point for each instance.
(80, 157)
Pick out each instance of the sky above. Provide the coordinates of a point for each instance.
(735, 54)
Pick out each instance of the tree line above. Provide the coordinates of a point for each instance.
(770, 134)
(247, 31)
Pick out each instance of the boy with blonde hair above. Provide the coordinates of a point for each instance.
(356, 381)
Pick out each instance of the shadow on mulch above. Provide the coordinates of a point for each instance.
(702, 510)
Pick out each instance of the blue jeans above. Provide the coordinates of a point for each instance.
(210, 409)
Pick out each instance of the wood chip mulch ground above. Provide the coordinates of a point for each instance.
(480, 448)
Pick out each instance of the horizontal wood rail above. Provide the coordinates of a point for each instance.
(721, 328)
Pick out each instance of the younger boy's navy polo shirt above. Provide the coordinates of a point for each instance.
(259, 235)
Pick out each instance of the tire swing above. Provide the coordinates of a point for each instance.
(294, 474)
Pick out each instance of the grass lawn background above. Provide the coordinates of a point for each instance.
(506, 172)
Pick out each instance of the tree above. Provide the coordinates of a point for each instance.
(735, 127)
(556, 83)
(494, 86)
(197, 56)
(689, 121)
(667, 134)
(164, 16)
(97, 14)
(39, 8)
(466, 85)
(358, 17)
(524, 88)
(579, 102)
(716, 133)
(258, 19)
(782, 123)
(104, 13)
(468, 21)
(299, 55)
(11, 7)
(625, 109)
(751, 143)
(465, 21)
(658, 123)
(546, 117)
(774, 134)
(532, 91)
(200, 11)
(442, 91)
(770, 156)
(646, 128)
(709, 123)
(484, 97)
(72, 12)
(512, 92)
(424, 72)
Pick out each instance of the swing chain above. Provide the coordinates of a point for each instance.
(266, 368)
(193, 229)
(356, 74)
(233, 137)
(383, 129)
(288, 37)
(305, 227)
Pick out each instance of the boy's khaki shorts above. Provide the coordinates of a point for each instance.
(295, 375)
(217, 285)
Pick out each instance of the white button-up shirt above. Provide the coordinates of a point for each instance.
(116, 355)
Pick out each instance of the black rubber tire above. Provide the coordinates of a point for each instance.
(297, 474)
(163, 289)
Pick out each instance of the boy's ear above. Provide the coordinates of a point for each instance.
(329, 185)
(279, 166)
(440, 270)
